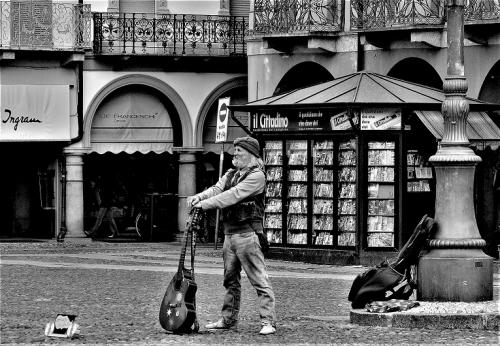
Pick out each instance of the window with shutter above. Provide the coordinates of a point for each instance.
(135, 6)
(239, 8)
(31, 23)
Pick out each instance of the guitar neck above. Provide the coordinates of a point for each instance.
(186, 234)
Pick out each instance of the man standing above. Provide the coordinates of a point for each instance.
(240, 194)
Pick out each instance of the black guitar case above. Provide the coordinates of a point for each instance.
(390, 279)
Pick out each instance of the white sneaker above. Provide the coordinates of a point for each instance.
(220, 324)
(267, 329)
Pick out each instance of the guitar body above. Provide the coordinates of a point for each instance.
(178, 308)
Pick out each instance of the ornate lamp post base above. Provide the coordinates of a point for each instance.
(443, 276)
(455, 269)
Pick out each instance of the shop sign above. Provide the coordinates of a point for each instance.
(222, 120)
(302, 120)
(34, 113)
(381, 119)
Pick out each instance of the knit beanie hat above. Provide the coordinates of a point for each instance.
(249, 144)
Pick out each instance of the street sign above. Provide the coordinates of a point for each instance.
(222, 120)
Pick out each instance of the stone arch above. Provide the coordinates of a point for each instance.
(137, 79)
(303, 75)
(418, 71)
(490, 89)
(221, 89)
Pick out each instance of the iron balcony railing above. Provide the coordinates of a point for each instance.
(298, 16)
(382, 14)
(479, 10)
(39, 24)
(169, 34)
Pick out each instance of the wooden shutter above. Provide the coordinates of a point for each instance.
(239, 8)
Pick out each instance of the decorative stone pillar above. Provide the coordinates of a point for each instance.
(455, 268)
(162, 7)
(74, 192)
(187, 183)
(113, 5)
(224, 8)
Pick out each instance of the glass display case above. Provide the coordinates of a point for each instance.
(347, 167)
(323, 192)
(418, 176)
(296, 151)
(311, 194)
(273, 160)
(381, 197)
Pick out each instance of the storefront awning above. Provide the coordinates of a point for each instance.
(131, 148)
(480, 127)
(132, 121)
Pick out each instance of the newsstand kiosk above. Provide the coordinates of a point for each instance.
(346, 182)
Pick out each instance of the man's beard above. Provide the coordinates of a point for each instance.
(239, 164)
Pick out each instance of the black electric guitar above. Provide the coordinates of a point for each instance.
(178, 308)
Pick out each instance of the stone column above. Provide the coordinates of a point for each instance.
(455, 268)
(224, 8)
(74, 192)
(187, 183)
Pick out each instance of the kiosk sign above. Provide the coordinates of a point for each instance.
(222, 120)
(303, 120)
(380, 119)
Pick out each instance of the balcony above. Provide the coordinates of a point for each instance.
(298, 17)
(43, 25)
(169, 34)
(384, 14)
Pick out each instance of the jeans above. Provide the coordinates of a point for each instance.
(243, 251)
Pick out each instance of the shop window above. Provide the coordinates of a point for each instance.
(46, 183)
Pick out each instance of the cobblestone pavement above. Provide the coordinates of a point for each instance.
(116, 290)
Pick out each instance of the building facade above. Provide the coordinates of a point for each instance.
(140, 116)
(143, 79)
(42, 48)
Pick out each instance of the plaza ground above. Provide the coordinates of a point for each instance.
(115, 289)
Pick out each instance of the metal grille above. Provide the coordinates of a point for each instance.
(298, 16)
(482, 10)
(373, 14)
(44, 25)
(142, 33)
(380, 14)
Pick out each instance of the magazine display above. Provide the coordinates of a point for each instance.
(274, 173)
(323, 192)
(418, 176)
(324, 238)
(273, 220)
(297, 192)
(297, 238)
(381, 186)
(297, 175)
(347, 193)
(273, 153)
(312, 187)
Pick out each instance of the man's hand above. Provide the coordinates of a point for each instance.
(192, 201)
